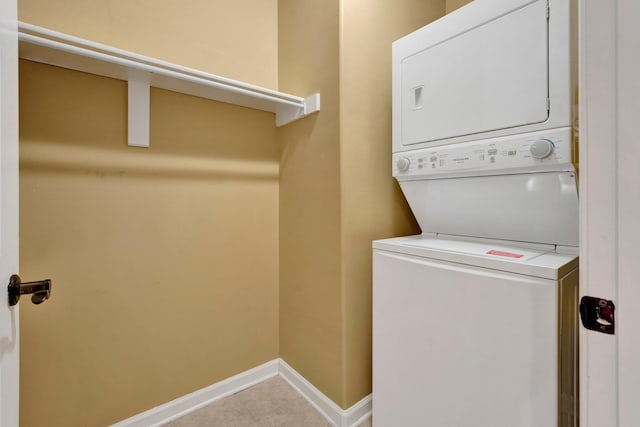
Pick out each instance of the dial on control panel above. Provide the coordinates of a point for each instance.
(542, 148)
(403, 164)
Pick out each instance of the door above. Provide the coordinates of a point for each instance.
(610, 208)
(9, 328)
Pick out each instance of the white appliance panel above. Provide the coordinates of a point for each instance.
(460, 346)
(489, 69)
(528, 259)
(544, 151)
(535, 207)
(486, 249)
(490, 77)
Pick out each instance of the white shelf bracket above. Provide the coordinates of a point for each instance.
(286, 114)
(138, 108)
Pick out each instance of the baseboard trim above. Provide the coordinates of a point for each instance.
(190, 402)
(338, 417)
(358, 413)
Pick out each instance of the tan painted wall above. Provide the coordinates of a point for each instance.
(372, 204)
(235, 39)
(455, 4)
(115, 216)
(336, 190)
(311, 321)
(163, 260)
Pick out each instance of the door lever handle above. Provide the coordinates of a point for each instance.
(41, 290)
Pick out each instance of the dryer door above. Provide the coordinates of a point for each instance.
(475, 71)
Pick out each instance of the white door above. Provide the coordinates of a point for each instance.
(9, 329)
(610, 207)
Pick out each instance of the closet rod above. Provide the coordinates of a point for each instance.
(152, 69)
(143, 72)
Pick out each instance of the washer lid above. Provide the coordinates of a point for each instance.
(532, 260)
(488, 250)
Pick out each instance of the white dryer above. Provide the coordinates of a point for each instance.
(491, 68)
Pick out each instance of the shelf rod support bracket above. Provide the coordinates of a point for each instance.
(286, 114)
(138, 108)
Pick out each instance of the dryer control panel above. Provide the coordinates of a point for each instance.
(543, 151)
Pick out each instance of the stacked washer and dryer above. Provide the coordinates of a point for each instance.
(475, 320)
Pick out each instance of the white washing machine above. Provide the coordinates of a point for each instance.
(469, 333)
(474, 320)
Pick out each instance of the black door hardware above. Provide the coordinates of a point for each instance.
(597, 314)
(41, 290)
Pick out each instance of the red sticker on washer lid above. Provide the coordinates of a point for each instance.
(502, 253)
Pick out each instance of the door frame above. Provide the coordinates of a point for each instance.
(609, 207)
(9, 316)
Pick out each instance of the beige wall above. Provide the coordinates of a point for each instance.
(372, 204)
(311, 321)
(235, 39)
(336, 189)
(148, 248)
(455, 4)
(163, 260)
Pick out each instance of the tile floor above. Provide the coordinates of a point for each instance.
(272, 403)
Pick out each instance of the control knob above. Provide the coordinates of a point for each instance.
(403, 164)
(542, 148)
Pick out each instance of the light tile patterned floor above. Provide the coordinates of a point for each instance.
(272, 403)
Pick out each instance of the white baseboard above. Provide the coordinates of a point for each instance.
(183, 405)
(358, 413)
(337, 416)
(177, 408)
